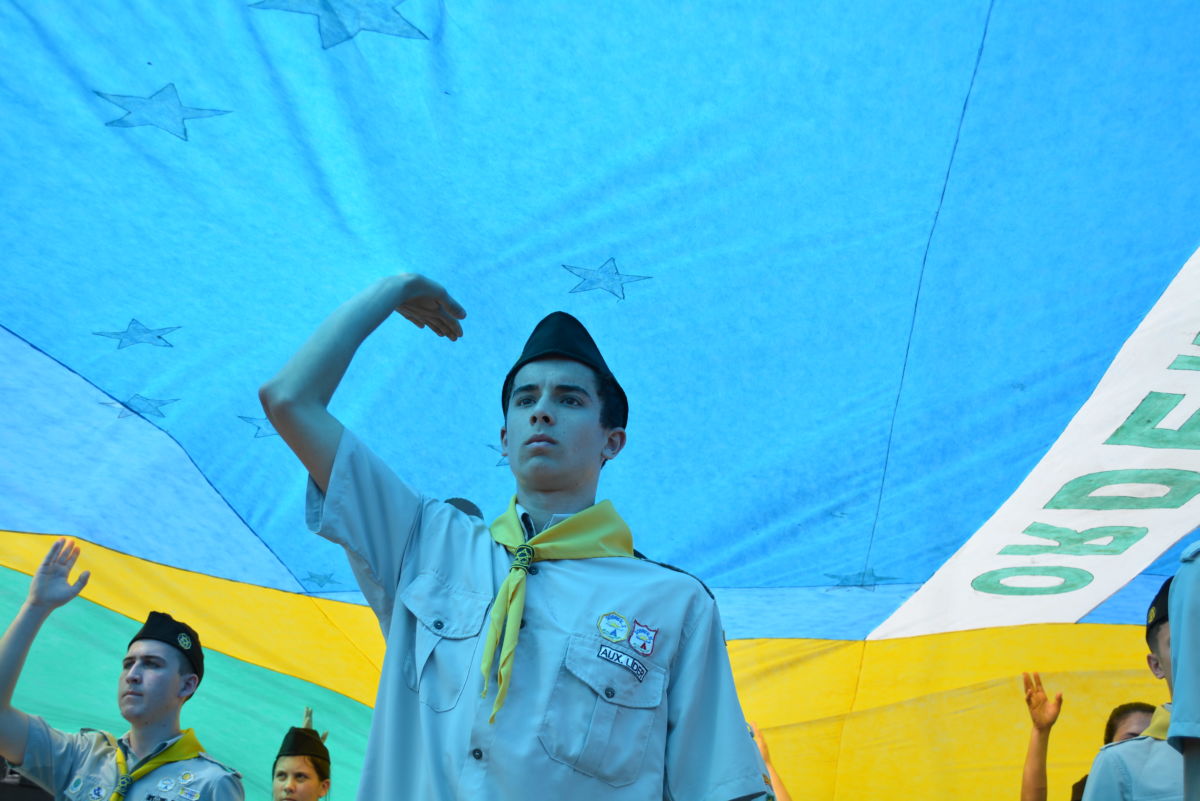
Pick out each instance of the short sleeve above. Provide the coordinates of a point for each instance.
(372, 514)
(710, 753)
(1184, 614)
(226, 788)
(52, 757)
(1108, 780)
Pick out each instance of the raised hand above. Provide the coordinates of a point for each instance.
(51, 587)
(1042, 711)
(761, 742)
(307, 724)
(428, 304)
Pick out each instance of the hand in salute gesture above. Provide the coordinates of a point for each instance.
(51, 586)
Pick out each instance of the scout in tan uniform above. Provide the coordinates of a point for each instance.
(540, 656)
(155, 760)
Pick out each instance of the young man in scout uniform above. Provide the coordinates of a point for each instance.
(155, 761)
(1144, 767)
(538, 657)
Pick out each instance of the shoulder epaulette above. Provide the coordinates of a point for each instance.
(210, 758)
(645, 558)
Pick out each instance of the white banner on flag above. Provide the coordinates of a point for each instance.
(1116, 490)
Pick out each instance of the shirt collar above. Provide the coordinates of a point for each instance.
(158, 749)
(527, 522)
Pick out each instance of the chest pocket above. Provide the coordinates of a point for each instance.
(448, 622)
(604, 707)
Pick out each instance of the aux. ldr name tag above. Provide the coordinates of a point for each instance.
(624, 660)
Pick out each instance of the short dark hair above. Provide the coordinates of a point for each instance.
(614, 409)
(1118, 715)
(319, 766)
(1152, 634)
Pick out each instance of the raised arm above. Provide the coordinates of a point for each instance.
(296, 399)
(1042, 713)
(49, 590)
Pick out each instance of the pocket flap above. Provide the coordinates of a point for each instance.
(446, 610)
(614, 674)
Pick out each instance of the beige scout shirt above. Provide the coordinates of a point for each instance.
(621, 686)
(83, 767)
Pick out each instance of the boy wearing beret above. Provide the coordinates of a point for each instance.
(1144, 767)
(155, 760)
(540, 656)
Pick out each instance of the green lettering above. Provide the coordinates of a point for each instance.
(1187, 362)
(1181, 486)
(1072, 578)
(1078, 543)
(1141, 428)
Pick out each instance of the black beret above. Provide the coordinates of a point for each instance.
(164, 628)
(302, 742)
(1157, 613)
(559, 334)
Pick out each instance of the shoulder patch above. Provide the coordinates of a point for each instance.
(645, 558)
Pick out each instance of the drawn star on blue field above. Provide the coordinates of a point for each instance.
(607, 277)
(137, 334)
(503, 459)
(162, 109)
(321, 579)
(262, 425)
(341, 20)
(863, 580)
(141, 406)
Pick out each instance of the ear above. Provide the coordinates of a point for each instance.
(324, 788)
(614, 443)
(1156, 666)
(503, 441)
(188, 686)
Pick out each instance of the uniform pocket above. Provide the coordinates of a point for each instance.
(604, 706)
(448, 622)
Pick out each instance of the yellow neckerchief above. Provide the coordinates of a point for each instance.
(594, 532)
(186, 747)
(1159, 723)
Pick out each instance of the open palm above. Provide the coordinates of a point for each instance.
(51, 586)
(1042, 711)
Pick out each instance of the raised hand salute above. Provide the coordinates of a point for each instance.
(295, 400)
(1042, 711)
(51, 586)
(50, 589)
(429, 305)
(540, 656)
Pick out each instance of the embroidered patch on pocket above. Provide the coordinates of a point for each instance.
(624, 660)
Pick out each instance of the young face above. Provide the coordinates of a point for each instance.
(151, 687)
(552, 434)
(1159, 658)
(296, 780)
(1131, 726)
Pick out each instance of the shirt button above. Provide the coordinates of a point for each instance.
(477, 753)
(533, 570)
(609, 692)
(439, 625)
